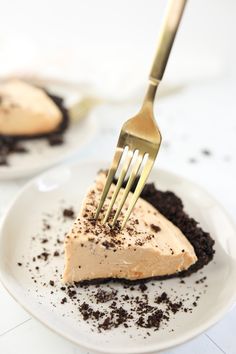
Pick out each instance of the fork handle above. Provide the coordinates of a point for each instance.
(167, 35)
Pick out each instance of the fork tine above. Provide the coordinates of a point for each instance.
(142, 180)
(129, 184)
(110, 176)
(121, 178)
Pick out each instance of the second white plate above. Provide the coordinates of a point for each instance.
(41, 155)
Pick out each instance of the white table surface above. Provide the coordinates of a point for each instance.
(195, 118)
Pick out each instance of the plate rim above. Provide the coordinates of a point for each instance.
(151, 347)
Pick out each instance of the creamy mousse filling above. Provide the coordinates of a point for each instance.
(26, 110)
(149, 246)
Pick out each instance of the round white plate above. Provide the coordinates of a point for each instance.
(40, 154)
(66, 186)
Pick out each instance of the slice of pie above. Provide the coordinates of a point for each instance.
(149, 246)
(26, 110)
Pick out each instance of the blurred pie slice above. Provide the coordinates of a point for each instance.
(26, 110)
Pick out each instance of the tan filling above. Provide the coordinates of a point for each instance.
(138, 251)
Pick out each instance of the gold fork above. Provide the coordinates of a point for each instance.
(140, 138)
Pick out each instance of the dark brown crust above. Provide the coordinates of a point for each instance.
(125, 281)
(172, 208)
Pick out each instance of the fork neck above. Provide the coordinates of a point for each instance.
(151, 93)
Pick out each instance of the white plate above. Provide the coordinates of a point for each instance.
(66, 186)
(41, 155)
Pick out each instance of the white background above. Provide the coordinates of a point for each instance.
(109, 45)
